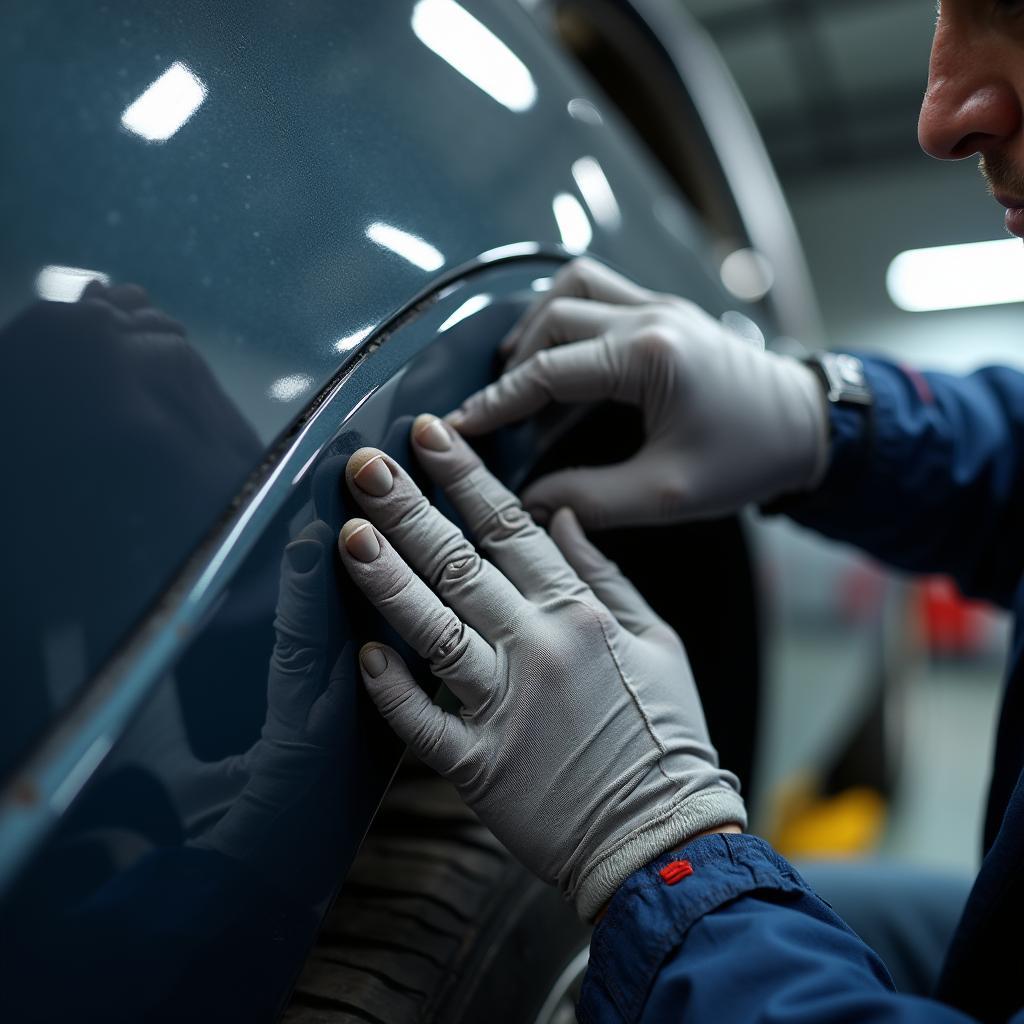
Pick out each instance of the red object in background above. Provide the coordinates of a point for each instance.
(950, 623)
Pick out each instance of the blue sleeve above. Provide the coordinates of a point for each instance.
(738, 937)
(933, 479)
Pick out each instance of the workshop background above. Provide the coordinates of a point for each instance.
(882, 692)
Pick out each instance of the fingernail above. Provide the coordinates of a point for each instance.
(430, 432)
(373, 660)
(360, 541)
(303, 555)
(375, 478)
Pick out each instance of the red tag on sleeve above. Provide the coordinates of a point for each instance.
(676, 871)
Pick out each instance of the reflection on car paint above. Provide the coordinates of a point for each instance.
(66, 284)
(165, 849)
(416, 250)
(222, 820)
(166, 105)
(597, 192)
(468, 308)
(473, 50)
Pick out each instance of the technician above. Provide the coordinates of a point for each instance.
(581, 743)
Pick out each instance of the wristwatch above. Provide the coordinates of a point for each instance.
(843, 377)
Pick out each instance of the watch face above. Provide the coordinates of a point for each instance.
(845, 377)
(851, 371)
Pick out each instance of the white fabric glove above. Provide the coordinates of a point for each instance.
(726, 423)
(581, 743)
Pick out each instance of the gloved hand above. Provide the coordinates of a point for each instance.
(725, 423)
(581, 743)
(298, 744)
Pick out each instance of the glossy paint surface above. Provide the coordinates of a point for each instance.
(282, 182)
(206, 827)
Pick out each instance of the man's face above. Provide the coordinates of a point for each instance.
(975, 98)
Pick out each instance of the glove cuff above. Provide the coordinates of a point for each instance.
(815, 404)
(706, 810)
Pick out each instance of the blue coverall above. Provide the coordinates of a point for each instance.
(932, 481)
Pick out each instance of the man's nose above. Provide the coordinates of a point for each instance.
(970, 106)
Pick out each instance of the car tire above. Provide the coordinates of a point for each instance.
(436, 923)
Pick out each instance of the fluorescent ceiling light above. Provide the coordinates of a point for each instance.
(467, 309)
(474, 51)
(409, 247)
(166, 105)
(65, 284)
(572, 223)
(958, 276)
(597, 192)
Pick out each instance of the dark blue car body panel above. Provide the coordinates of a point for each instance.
(157, 477)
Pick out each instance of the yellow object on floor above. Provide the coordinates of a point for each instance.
(845, 825)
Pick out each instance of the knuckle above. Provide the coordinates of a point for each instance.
(570, 273)
(677, 304)
(390, 584)
(428, 739)
(392, 698)
(506, 522)
(409, 515)
(583, 268)
(498, 397)
(606, 351)
(485, 402)
(294, 657)
(448, 643)
(461, 469)
(656, 339)
(559, 309)
(535, 375)
(463, 567)
(573, 279)
(540, 365)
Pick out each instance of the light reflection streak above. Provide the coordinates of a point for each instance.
(166, 104)
(572, 223)
(585, 111)
(410, 247)
(287, 389)
(66, 284)
(350, 341)
(473, 50)
(467, 309)
(597, 192)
